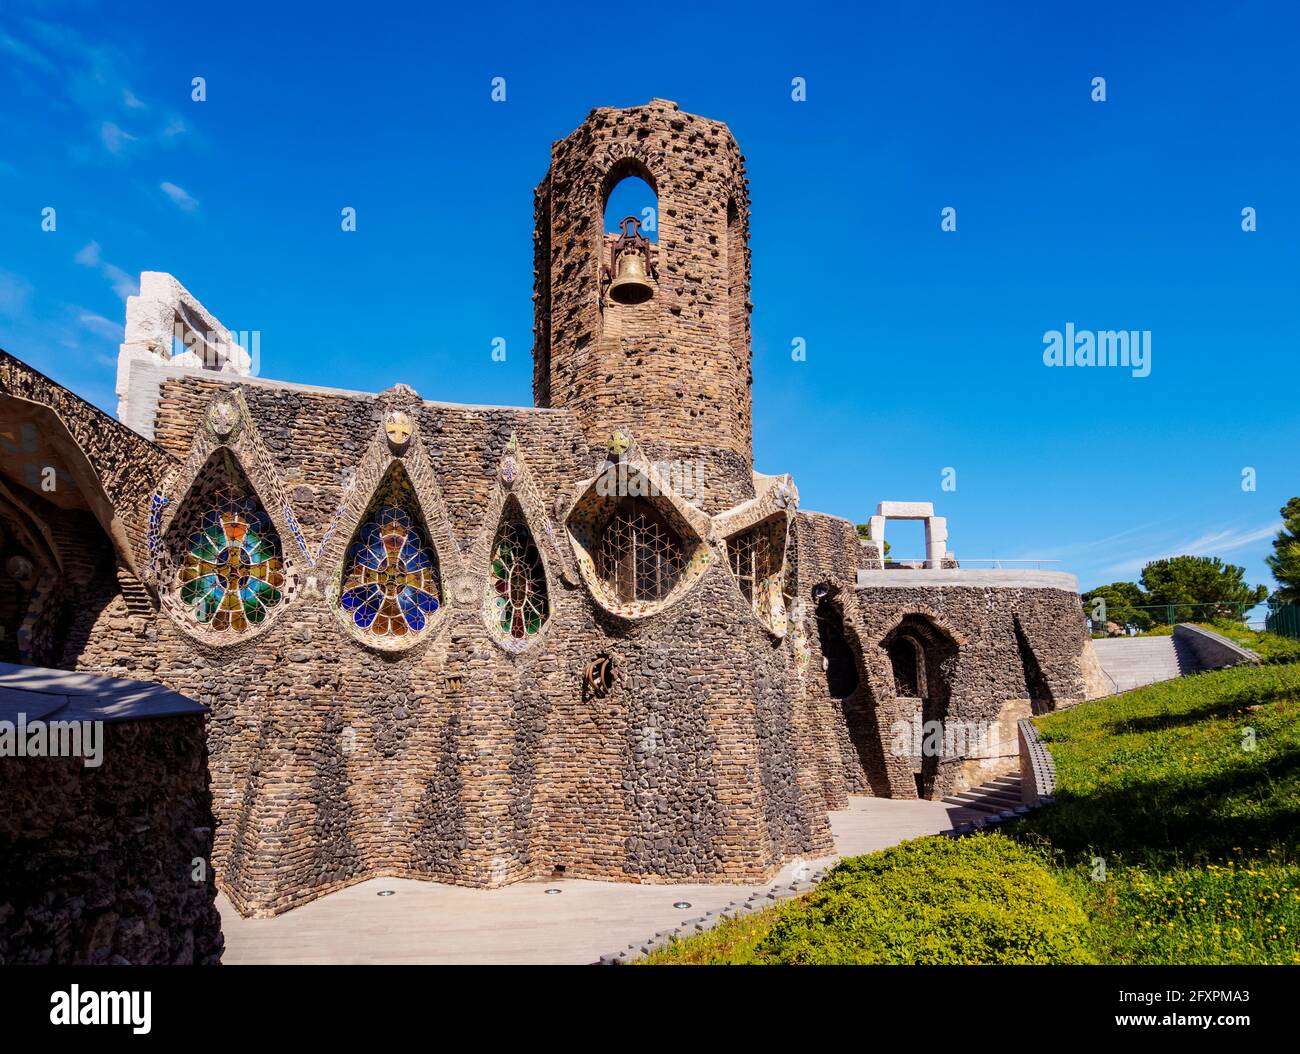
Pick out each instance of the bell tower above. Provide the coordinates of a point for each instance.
(651, 337)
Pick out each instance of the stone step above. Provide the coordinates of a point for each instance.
(1132, 662)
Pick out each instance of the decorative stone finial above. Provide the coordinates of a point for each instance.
(398, 428)
(785, 495)
(617, 443)
(223, 419)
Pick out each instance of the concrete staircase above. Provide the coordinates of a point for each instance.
(1131, 662)
(999, 795)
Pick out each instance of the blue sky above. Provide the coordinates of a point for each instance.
(924, 347)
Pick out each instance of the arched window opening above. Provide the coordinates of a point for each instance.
(924, 658)
(517, 599)
(905, 658)
(390, 586)
(755, 558)
(230, 573)
(640, 554)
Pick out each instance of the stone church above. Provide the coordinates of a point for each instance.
(478, 644)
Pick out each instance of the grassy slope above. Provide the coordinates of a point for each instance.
(1268, 646)
(1197, 830)
(1188, 792)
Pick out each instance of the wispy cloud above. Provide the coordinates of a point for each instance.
(94, 77)
(101, 326)
(1215, 542)
(114, 138)
(15, 295)
(123, 284)
(180, 197)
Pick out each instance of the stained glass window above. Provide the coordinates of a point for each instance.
(390, 583)
(517, 602)
(640, 556)
(232, 574)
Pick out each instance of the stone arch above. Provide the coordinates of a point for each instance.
(627, 173)
(920, 639)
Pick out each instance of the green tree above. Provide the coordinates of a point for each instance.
(1219, 590)
(1122, 601)
(1284, 561)
(864, 531)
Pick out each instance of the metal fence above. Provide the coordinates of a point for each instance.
(1172, 614)
(1284, 620)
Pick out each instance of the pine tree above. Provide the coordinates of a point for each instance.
(1284, 561)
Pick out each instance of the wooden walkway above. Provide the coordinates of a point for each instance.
(426, 922)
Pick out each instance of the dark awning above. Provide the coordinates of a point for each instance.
(64, 695)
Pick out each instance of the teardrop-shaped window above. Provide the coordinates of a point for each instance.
(390, 585)
(230, 574)
(516, 604)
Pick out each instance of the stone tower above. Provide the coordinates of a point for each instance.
(675, 370)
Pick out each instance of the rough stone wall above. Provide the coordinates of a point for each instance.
(99, 863)
(990, 628)
(844, 733)
(676, 369)
(459, 760)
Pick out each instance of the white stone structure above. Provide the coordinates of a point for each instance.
(167, 326)
(936, 528)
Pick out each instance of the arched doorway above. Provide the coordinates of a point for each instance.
(923, 659)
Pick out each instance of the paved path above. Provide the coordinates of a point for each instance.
(427, 922)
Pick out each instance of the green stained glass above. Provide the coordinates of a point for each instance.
(517, 588)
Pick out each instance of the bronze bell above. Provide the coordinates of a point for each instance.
(631, 284)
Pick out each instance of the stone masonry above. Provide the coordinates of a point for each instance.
(691, 714)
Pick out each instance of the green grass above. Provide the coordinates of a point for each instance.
(1172, 840)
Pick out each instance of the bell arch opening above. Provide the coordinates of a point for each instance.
(630, 191)
(630, 235)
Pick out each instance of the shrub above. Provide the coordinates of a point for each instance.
(980, 899)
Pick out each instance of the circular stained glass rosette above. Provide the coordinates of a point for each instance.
(232, 575)
(391, 587)
(517, 586)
